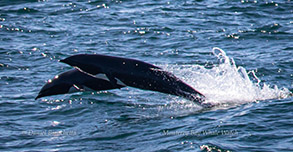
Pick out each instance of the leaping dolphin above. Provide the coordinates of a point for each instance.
(74, 81)
(121, 72)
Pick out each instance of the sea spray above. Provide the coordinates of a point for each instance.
(225, 82)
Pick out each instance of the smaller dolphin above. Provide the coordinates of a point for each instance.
(75, 81)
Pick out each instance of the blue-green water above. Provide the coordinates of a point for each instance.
(254, 109)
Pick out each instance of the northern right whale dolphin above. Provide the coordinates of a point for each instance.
(75, 81)
(134, 73)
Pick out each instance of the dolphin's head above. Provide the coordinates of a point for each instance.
(74, 60)
(59, 85)
(88, 63)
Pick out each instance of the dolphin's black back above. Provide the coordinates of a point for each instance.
(134, 73)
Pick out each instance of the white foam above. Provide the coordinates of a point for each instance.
(226, 82)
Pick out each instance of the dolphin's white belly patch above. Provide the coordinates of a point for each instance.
(73, 89)
(119, 82)
(104, 77)
(85, 88)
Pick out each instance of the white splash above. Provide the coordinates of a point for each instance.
(227, 83)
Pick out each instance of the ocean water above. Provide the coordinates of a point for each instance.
(238, 53)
